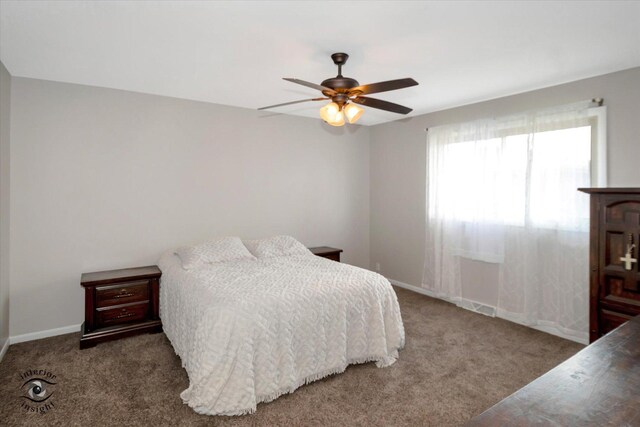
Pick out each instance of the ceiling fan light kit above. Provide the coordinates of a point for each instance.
(345, 92)
(353, 112)
(332, 114)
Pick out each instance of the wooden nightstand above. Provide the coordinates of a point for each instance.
(120, 303)
(327, 252)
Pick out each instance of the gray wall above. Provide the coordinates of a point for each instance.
(5, 133)
(398, 168)
(104, 179)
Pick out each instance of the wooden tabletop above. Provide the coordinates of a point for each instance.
(599, 386)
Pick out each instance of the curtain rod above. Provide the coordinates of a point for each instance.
(597, 101)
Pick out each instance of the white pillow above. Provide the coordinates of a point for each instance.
(276, 246)
(222, 249)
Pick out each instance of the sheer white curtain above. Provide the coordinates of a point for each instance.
(503, 191)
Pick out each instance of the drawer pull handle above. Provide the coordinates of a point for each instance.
(125, 315)
(124, 295)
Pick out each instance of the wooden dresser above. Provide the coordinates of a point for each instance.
(614, 243)
(327, 252)
(120, 303)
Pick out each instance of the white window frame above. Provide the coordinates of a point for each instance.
(598, 121)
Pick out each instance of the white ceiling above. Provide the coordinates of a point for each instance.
(236, 53)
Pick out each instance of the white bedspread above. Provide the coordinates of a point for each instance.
(250, 331)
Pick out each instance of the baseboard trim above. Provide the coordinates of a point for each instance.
(44, 334)
(542, 328)
(5, 347)
(76, 328)
(409, 287)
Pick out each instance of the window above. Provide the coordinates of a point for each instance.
(496, 172)
(504, 192)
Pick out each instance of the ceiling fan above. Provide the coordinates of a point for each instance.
(345, 92)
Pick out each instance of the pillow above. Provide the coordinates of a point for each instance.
(222, 249)
(276, 246)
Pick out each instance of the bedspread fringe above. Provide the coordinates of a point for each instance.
(381, 362)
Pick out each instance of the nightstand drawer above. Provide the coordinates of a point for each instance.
(122, 293)
(122, 314)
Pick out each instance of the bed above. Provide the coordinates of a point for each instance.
(249, 329)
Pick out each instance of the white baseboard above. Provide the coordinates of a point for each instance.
(542, 328)
(5, 347)
(44, 334)
(409, 287)
(76, 328)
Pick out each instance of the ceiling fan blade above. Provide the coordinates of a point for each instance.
(311, 85)
(292, 102)
(383, 86)
(382, 105)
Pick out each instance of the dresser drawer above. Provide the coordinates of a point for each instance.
(121, 314)
(609, 320)
(122, 293)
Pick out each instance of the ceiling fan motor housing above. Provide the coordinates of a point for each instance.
(339, 83)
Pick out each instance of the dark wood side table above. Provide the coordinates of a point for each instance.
(120, 303)
(327, 252)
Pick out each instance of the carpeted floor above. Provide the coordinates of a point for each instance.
(455, 365)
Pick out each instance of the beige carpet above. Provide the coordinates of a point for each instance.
(455, 365)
